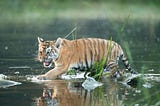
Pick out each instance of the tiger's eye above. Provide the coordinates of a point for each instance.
(47, 52)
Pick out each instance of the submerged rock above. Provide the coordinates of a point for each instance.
(90, 84)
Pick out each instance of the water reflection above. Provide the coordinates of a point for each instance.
(71, 93)
(62, 93)
(66, 93)
(18, 50)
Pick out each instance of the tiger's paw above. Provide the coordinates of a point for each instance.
(42, 77)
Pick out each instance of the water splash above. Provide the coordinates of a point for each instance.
(131, 79)
(35, 79)
(147, 85)
(70, 77)
(151, 77)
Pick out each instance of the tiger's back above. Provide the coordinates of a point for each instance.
(85, 52)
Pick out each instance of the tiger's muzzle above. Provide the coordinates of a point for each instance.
(48, 62)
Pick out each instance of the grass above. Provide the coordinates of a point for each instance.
(99, 66)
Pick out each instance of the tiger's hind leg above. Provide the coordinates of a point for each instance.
(113, 69)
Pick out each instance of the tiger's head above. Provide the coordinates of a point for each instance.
(48, 51)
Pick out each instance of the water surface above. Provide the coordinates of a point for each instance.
(18, 60)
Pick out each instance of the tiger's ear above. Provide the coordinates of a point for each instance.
(58, 43)
(40, 40)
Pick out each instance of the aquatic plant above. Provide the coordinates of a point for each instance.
(71, 72)
(99, 66)
(125, 43)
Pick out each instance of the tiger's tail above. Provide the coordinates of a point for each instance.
(126, 63)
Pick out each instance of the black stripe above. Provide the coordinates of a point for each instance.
(98, 49)
(103, 48)
(81, 68)
(129, 68)
(126, 65)
(90, 51)
(95, 53)
(91, 57)
(124, 60)
(86, 61)
(85, 56)
(78, 65)
(90, 47)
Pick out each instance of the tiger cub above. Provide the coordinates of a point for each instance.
(78, 54)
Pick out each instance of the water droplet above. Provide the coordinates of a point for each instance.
(151, 70)
(136, 105)
(138, 91)
(147, 85)
(6, 47)
(17, 72)
(134, 94)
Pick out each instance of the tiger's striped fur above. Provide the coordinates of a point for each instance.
(79, 54)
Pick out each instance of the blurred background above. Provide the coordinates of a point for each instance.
(133, 24)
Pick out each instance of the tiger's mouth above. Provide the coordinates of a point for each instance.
(47, 63)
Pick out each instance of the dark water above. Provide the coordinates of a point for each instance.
(140, 40)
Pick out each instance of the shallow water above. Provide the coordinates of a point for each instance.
(112, 93)
(71, 93)
(18, 61)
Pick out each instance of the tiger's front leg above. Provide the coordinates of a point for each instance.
(53, 74)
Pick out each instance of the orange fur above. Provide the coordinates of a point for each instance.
(77, 53)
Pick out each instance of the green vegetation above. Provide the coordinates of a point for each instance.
(45, 11)
(98, 69)
(122, 35)
(71, 72)
(99, 66)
